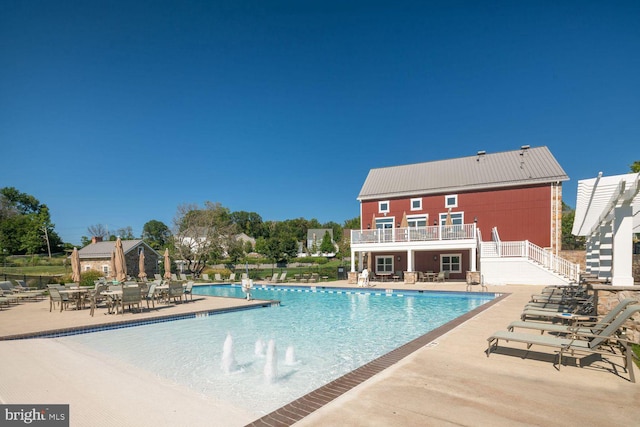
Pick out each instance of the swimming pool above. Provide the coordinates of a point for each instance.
(319, 335)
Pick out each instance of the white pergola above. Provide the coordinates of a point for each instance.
(607, 215)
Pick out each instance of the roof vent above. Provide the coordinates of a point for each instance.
(480, 154)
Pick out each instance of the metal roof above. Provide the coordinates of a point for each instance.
(104, 249)
(598, 197)
(482, 171)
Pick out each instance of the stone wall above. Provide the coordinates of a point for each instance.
(608, 297)
(575, 256)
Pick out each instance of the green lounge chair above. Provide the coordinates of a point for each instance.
(580, 327)
(599, 343)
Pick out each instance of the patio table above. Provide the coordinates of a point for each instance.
(77, 294)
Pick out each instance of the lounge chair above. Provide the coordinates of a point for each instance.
(601, 342)
(232, 277)
(217, 277)
(9, 296)
(553, 312)
(183, 277)
(205, 276)
(274, 278)
(579, 327)
(157, 276)
(282, 279)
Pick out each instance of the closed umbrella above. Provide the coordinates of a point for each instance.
(121, 266)
(75, 266)
(112, 272)
(141, 273)
(404, 223)
(167, 264)
(448, 221)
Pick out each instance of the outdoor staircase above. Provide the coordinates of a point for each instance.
(523, 262)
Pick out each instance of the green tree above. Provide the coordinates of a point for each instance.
(201, 234)
(249, 223)
(25, 224)
(635, 166)
(569, 241)
(327, 244)
(156, 234)
(352, 224)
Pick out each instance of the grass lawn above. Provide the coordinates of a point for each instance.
(39, 270)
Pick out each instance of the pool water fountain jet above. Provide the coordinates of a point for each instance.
(228, 360)
(290, 356)
(271, 366)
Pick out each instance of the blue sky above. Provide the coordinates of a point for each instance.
(115, 112)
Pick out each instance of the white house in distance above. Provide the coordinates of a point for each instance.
(607, 214)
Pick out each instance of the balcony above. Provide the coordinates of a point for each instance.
(415, 235)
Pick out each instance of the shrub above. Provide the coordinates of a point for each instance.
(87, 278)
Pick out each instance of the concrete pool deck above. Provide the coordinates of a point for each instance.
(450, 381)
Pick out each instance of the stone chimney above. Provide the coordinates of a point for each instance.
(96, 239)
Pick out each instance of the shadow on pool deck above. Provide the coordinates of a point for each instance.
(444, 377)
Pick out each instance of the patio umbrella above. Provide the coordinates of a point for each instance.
(141, 273)
(448, 221)
(167, 264)
(121, 265)
(404, 223)
(75, 266)
(112, 266)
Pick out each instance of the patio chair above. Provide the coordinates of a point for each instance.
(217, 277)
(188, 291)
(600, 343)
(130, 297)
(474, 278)
(175, 292)
(440, 277)
(96, 297)
(205, 276)
(157, 276)
(580, 327)
(55, 297)
(183, 277)
(232, 277)
(151, 295)
(282, 278)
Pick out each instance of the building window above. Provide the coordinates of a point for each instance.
(105, 269)
(416, 204)
(382, 223)
(417, 221)
(384, 265)
(451, 201)
(383, 207)
(451, 263)
(457, 218)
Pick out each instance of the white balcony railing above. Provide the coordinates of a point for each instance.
(414, 234)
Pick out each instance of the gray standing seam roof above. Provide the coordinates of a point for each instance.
(104, 249)
(483, 171)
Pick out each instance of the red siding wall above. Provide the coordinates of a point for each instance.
(518, 213)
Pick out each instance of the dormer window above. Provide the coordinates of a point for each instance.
(451, 201)
(383, 207)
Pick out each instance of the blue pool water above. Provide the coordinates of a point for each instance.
(331, 332)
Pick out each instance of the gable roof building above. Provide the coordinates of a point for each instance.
(483, 171)
(449, 215)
